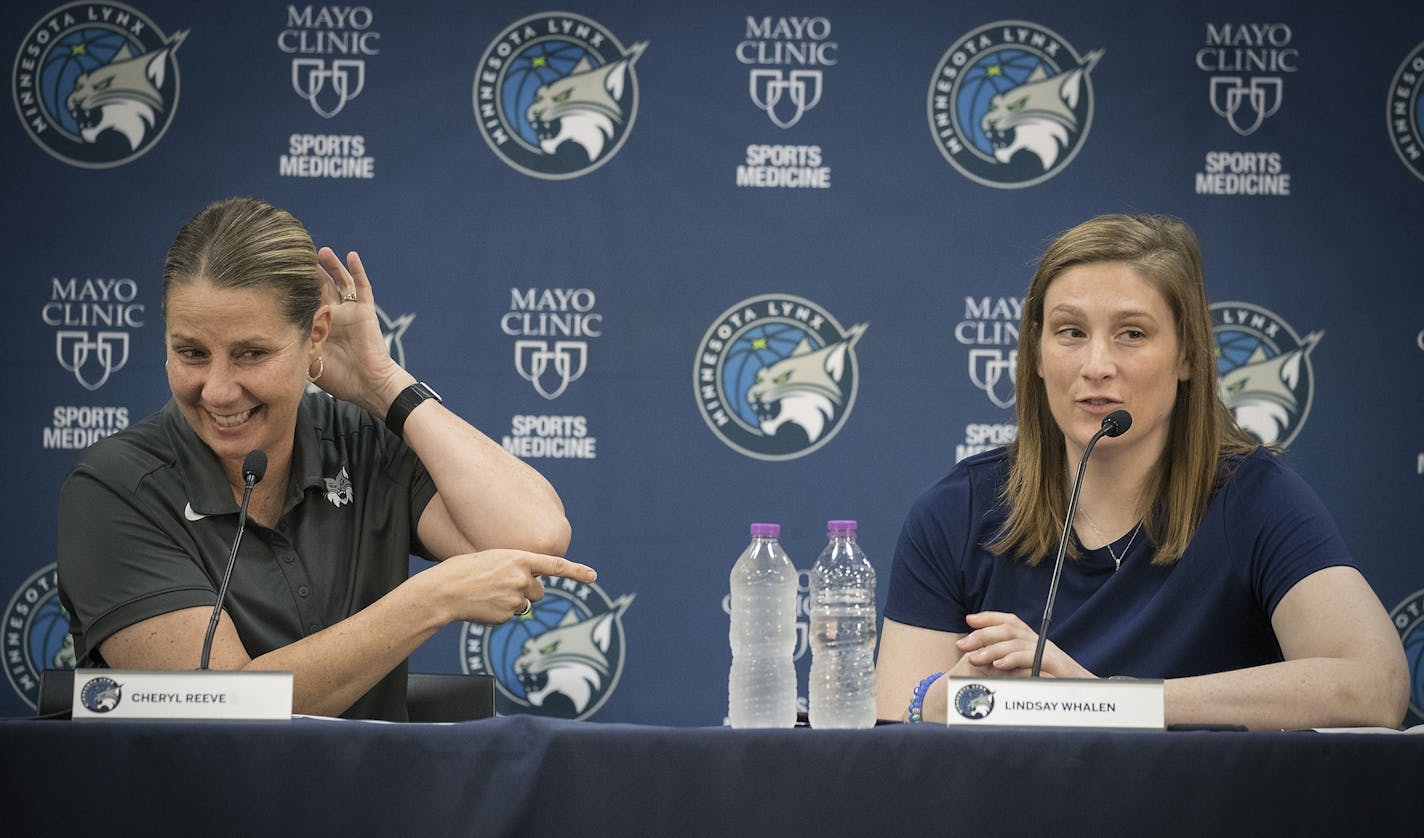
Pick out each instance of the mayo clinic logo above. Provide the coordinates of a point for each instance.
(96, 84)
(563, 659)
(991, 327)
(1408, 619)
(775, 376)
(553, 326)
(1234, 50)
(1011, 103)
(1264, 370)
(556, 95)
(329, 31)
(1405, 111)
(773, 47)
(92, 316)
(36, 635)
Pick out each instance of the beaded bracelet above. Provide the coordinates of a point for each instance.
(917, 704)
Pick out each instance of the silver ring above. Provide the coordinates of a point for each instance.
(528, 604)
(349, 298)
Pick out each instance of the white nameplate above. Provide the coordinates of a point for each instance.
(132, 694)
(1055, 702)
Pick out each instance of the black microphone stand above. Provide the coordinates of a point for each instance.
(1114, 424)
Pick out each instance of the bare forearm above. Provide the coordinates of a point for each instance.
(1302, 693)
(336, 666)
(492, 498)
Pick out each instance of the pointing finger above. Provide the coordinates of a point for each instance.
(555, 566)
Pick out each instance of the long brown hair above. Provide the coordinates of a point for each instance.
(1164, 252)
(247, 243)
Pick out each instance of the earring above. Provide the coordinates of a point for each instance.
(320, 368)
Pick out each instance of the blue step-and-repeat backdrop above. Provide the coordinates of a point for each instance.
(591, 225)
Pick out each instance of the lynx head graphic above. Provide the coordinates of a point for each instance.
(804, 387)
(1261, 392)
(584, 106)
(123, 95)
(1038, 115)
(570, 659)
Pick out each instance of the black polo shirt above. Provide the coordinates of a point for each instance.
(146, 520)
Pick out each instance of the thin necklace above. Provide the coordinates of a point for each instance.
(1117, 560)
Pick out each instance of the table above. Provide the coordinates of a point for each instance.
(527, 776)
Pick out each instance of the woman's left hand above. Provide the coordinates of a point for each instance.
(358, 367)
(1002, 643)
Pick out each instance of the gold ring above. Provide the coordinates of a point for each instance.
(349, 298)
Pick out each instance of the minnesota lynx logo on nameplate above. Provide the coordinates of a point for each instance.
(96, 84)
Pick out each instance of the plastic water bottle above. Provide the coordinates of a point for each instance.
(761, 688)
(842, 633)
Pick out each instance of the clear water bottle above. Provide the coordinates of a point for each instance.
(842, 633)
(761, 688)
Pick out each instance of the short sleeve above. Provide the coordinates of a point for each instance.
(119, 565)
(1278, 517)
(926, 579)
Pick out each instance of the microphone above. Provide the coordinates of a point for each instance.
(1114, 424)
(254, 467)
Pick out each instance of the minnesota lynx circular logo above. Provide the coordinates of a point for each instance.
(776, 376)
(1408, 617)
(562, 659)
(36, 633)
(1011, 103)
(1264, 371)
(96, 84)
(102, 694)
(974, 701)
(1405, 111)
(556, 95)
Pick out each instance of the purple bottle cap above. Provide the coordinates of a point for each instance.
(837, 526)
(766, 530)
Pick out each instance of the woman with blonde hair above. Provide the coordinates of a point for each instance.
(360, 475)
(1197, 557)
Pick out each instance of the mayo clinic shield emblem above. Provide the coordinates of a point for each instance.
(800, 90)
(1244, 105)
(92, 359)
(995, 374)
(344, 79)
(551, 371)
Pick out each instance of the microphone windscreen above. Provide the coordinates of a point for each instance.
(1117, 422)
(254, 465)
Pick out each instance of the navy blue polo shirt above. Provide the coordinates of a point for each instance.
(147, 518)
(1264, 531)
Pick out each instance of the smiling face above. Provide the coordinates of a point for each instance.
(1108, 342)
(237, 367)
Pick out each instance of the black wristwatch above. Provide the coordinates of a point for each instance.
(407, 401)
